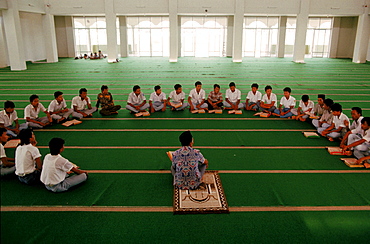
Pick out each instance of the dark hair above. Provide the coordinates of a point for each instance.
(321, 96)
(336, 107)
(55, 145)
(287, 89)
(268, 87)
(57, 94)
(328, 102)
(33, 97)
(157, 88)
(254, 85)
(25, 136)
(103, 87)
(9, 104)
(2, 130)
(185, 138)
(135, 88)
(305, 98)
(365, 119)
(198, 83)
(82, 90)
(216, 85)
(232, 84)
(177, 86)
(359, 110)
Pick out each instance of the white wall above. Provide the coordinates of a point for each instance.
(33, 36)
(3, 4)
(64, 36)
(346, 38)
(4, 62)
(275, 7)
(31, 6)
(368, 52)
(336, 7)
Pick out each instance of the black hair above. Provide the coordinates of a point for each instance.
(177, 86)
(321, 96)
(82, 90)
(254, 85)
(305, 98)
(268, 87)
(186, 138)
(287, 89)
(216, 85)
(57, 94)
(135, 88)
(25, 136)
(359, 110)
(33, 97)
(103, 87)
(336, 107)
(198, 83)
(55, 144)
(232, 84)
(365, 119)
(157, 88)
(2, 130)
(9, 104)
(328, 102)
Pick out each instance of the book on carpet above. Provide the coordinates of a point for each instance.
(262, 114)
(216, 111)
(257, 114)
(335, 150)
(311, 134)
(176, 105)
(140, 114)
(12, 143)
(200, 111)
(72, 122)
(169, 154)
(351, 162)
(312, 115)
(235, 112)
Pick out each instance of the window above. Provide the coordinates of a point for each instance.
(203, 36)
(318, 37)
(290, 36)
(260, 35)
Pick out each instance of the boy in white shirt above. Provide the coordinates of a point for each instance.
(81, 105)
(136, 101)
(338, 125)
(31, 114)
(287, 103)
(268, 101)
(157, 100)
(253, 98)
(232, 97)
(6, 164)
(58, 108)
(197, 97)
(176, 97)
(305, 106)
(28, 158)
(354, 132)
(9, 116)
(55, 167)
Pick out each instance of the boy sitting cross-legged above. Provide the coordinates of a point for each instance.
(287, 103)
(176, 98)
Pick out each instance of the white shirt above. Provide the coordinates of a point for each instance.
(176, 97)
(133, 99)
(287, 103)
(254, 97)
(54, 106)
(366, 136)
(306, 108)
(233, 96)
(267, 100)
(30, 111)
(356, 126)
(339, 120)
(197, 97)
(157, 98)
(80, 104)
(25, 156)
(8, 120)
(54, 169)
(2, 153)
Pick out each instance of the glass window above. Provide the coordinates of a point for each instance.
(318, 37)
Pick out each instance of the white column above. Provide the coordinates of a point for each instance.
(362, 36)
(173, 30)
(334, 37)
(238, 31)
(230, 34)
(179, 36)
(51, 50)
(70, 34)
(123, 36)
(280, 48)
(13, 35)
(110, 18)
(301, 30)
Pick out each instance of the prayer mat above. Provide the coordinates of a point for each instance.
(208, 199)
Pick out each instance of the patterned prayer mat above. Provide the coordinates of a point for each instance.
(211, 199)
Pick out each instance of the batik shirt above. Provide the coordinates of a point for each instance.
(185, 161)
(215, 97)
(105, 100)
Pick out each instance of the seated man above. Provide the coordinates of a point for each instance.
(197, 97)
(31, 114)
(268, 101)
(326, 117)
(58, 108)
(337, 128)
(105, 99)
(305, 106)
(157, 100)
(9, 116)
(354, 132)
(188, 164)
(318, 109)
(177, 97)
(81, 105)
(214, 100)
(287, 103)
(6, 164)
(55, 168)
(136, 101)
(253, 98)
(233, 98)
